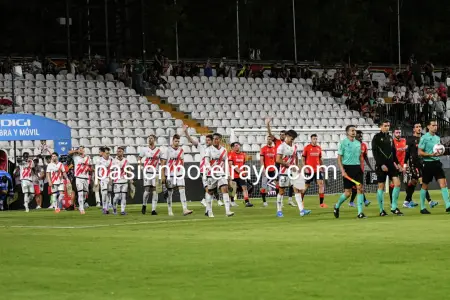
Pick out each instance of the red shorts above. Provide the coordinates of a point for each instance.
(37, 190)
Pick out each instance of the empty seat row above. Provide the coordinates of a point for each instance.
(228, 93)
(62, 84)
(248, 122)
(231, 86)
(90, 107)
(80, 100)
(73, 92)
(235, 80)
(261, 114)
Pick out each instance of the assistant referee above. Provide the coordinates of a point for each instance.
(432, 166)
(350, 161)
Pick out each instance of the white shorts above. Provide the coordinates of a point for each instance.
(284, 181)
(105, 185)
(120, 188)
(150, 180)
(82, 184)
(175, 182)
(57, 188)
(27, 187)
(214, 183)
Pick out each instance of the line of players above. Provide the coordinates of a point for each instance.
(417, 158)
(213, 154)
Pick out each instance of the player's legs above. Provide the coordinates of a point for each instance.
(26, 188)
(105, 196)
(264, 188)
(223, 185)
(61, 196)
(381, 179)
(290, 194)
(180, 183)
(243, 185)
(82, 188)
(97, 195)
(123, 199)
(148, 183)
(154, 196)
(283, 187)
(395, 193)
(348, 185)
(353, 197)
(299, 199)
(37, 192)
(439, 175)
(321, 185)
(117, 196)
(360, 198)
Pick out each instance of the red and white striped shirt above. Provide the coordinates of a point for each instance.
(82, 166)
(107, 164)
(120, 166)
(26, 170)
(56, 172)
(289, 155)
(151, 158)
(174, 159)
(217, 159)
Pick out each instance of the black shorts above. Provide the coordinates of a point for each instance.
(391, 172)
(314, 178)
(240, 182)
(355, 172)
(432, 169)
(415, 173)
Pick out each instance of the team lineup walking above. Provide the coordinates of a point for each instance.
(413, 160)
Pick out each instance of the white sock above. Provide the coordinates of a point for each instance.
(105, 199)
(60, 200)
(81, 201)
(53, 201)
(169, 200)
(154, 200)
(290, 199)
(123, 202)
(279, 202)
(226, 199)
(97, 197)
(146, 197)
(116, 199)
(26, 200)
(208, 200)
(183, 199)
(298, 198)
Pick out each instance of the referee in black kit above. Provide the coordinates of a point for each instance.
(386, 164)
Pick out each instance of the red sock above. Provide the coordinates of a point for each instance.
(246, 199)
(321, 196)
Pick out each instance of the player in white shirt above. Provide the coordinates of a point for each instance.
(287, 157)
(172, 161)
(151, 157)
(216, 167)
(96, 186)
(44, 149)
(55, 175)
(202, 149)
(105, 179)
(120, 181)
(26, 178)
(82, 170)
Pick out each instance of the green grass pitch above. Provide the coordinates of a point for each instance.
(253, 255)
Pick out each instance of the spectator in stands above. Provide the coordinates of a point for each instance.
(223, 69)
(208, 71)
(439, 107)
(158, 61)
(307, 73)
(138, 77)
(428, 70)
(7, 65)
(442, 92)
(194, 70)
(285, 74)
(168, 68)
(37, 66)
(112, 67)
(73, 67)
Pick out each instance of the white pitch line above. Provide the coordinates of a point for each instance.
(102, 225)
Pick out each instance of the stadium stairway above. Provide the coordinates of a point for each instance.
(186, 118)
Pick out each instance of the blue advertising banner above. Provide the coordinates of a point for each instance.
(27, 127)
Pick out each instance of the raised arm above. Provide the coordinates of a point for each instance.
(190, 139)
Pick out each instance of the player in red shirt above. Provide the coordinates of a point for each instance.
(400, 147)
(236, 161)
(312, 159)
(268, 155)
(364, 151)
(277, 143)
